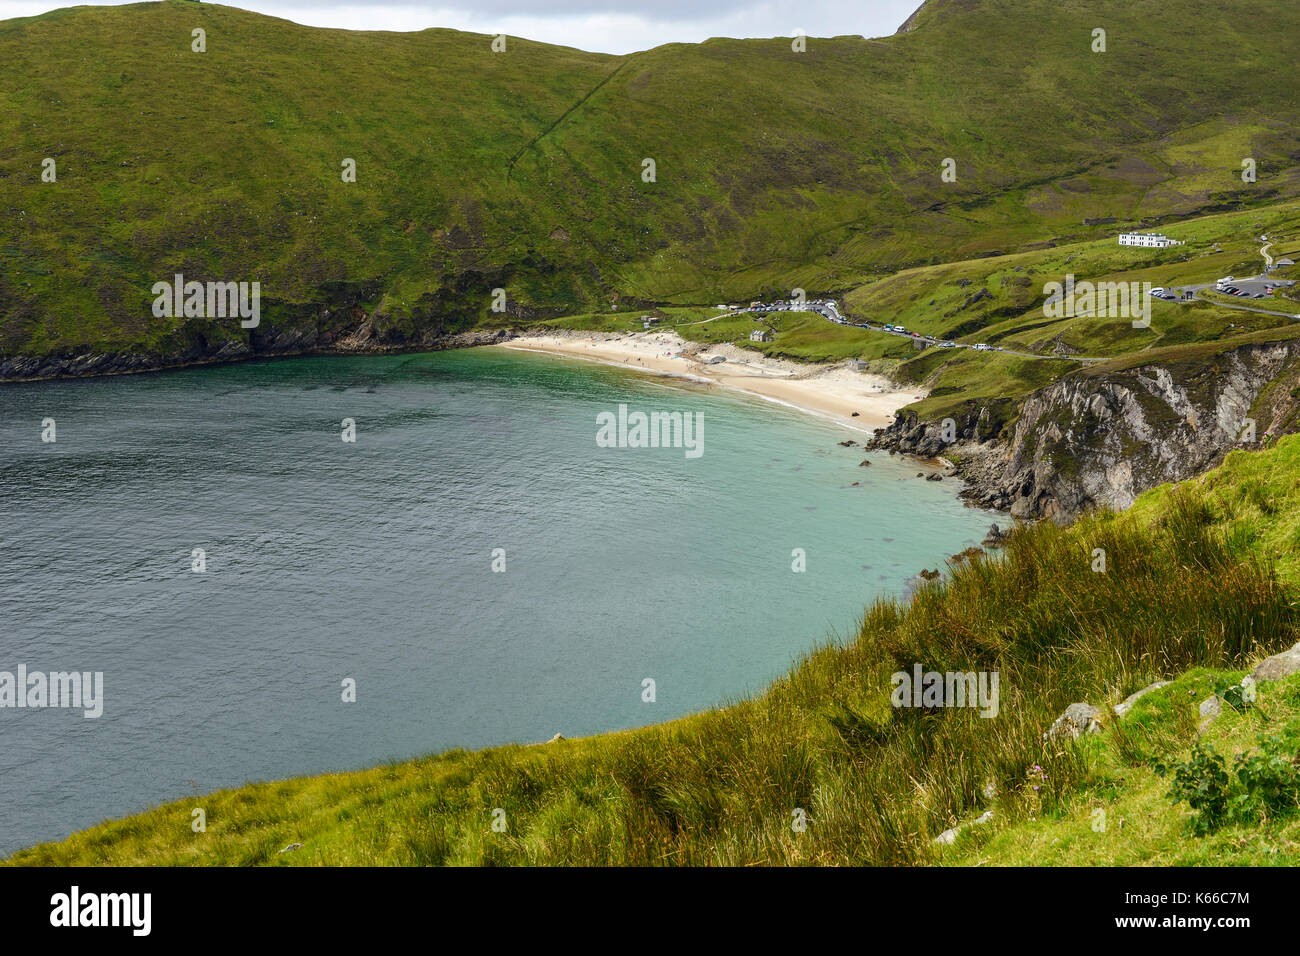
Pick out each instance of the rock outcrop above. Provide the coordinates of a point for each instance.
(1209, 709)
(949, 837)
(1099, 437)
(996, 537)
(1278, 666)
(1078, 719)
(1126, 705)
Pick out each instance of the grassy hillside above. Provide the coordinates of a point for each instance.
(522, 169)
(999, 300)
(1124, 815)
(1201, 578)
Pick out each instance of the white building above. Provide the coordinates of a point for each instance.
(1156, 239)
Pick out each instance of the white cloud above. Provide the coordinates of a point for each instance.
(587, 24)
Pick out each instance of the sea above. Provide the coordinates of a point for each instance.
(317, 564)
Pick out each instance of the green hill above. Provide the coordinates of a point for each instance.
(523, 169)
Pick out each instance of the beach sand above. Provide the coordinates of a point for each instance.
(834, 391)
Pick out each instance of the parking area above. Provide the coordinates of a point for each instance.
(1246, 290)
(1255, 287)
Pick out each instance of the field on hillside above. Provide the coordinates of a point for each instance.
(1000, 300)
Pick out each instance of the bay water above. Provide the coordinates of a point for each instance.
(475, 563)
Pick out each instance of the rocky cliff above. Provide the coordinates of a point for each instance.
(1100, 437)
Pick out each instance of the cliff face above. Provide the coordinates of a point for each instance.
(1099, 438)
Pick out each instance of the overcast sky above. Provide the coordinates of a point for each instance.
(600, 25)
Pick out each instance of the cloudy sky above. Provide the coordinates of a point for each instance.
(603, 25)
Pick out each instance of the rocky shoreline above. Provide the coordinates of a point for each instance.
(283, 344)
(1098, 438)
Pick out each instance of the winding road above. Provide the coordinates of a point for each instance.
(828, 311)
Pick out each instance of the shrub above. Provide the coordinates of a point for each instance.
(1270, 779)
(1203, 782)
(1266, 785)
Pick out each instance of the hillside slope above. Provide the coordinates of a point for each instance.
(522, 170)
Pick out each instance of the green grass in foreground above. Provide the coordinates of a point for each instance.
(1190, 584)
(1124, 815)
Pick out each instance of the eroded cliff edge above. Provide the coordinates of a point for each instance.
(1101, 436)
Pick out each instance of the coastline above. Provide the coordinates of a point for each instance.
(857, 400)
(281, 345)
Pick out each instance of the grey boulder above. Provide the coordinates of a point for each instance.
(1278, 666)
(1123, 708)
(1078, 719)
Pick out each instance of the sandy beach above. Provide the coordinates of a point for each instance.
(833, 391)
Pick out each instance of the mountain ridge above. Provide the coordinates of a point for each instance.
(523, 170)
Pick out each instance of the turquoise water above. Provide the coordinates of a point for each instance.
(372, 561)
